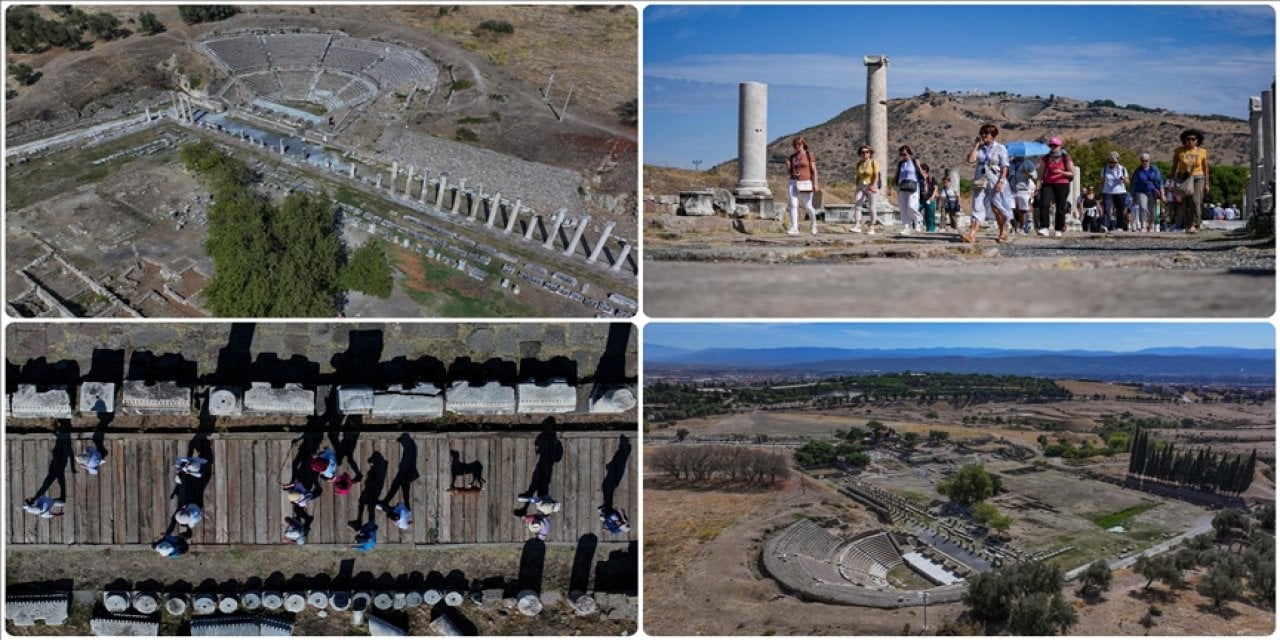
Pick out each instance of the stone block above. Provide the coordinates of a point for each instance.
(145, 603)
(528, 603)
(837, 213)
(355, 400)
(761, 207)
(431, 596)
(24, 611)
(97, 397)
(295, 602)
(224, 625)
(176, 605)
(268, 626)
(380, 627)
(611, 399)
(161, 398)
(444, 626)
(115, 601)
(383, 601)
(124, 626)
(250, 600)
(491, 398)
(413, 599)
(228, 604)
(272, 600)
(225, 401)
(292, 399)
(422, 400)
(555, 396)
(27, 402)
(318, 599)
(453, 598)
(700, 202)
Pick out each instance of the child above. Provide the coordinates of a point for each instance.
(90, 459)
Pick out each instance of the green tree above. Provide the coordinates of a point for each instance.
(910, 439)
(192, 14)
(1091, 157)
(1220, 584)
(104, 26)
(815, 453)
(1162, 568)
(23, 73)
(1096, 578)
(149, 23)
(1227, 184)
(628, 112)
(937, 436)
(368, 270)
(1041, 614)
(681, 434)
(970, 485)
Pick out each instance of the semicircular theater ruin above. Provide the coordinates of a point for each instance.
(270, 71)
(879, 568)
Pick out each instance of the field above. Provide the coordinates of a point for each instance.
(1055, 507)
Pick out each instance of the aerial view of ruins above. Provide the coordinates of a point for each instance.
(321, 479)
(952, 479)
(935, 220)
(321, 161)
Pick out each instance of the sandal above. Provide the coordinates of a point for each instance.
(1002, 239)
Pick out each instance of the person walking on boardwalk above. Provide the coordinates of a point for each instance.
(399, 514)
(366, 536)
(191, 467)
(43, 506)
(325, 463)
(297, 493)
(1190, 167)
(990, 183)
(90, 459)
(342, 484)
(614, 520)
(1115, 187)
(189, 516)
(803, 173)
(170, 546)
(296, 530)
(867, 181)
(538, 524)
(928, 198)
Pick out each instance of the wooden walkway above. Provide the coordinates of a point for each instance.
(132, 500)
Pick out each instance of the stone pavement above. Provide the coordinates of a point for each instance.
(758, 272)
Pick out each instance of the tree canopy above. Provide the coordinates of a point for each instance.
(970, 485)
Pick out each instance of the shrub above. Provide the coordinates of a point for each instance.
(499, 27)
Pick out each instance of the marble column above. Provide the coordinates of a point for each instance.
(459, 192)
(753, 105)
(604, 237)
(533, 222)
(440, 187)
(583, 221)
(422, 197)
(495, 203)
(351, 171)
(379, 183)
(877, 109)
(1269, 134)
(622, 257)
(395, 173)
(408, 183)
(1256, 140)
(475, 203)
(512, 215)
(555, 228)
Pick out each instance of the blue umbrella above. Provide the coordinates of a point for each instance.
(1027, 149)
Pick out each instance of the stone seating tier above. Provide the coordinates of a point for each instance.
(261, 83)
(349, 60)
(296, 49)
(240, 54)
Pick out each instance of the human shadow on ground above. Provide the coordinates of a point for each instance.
(532, 564)
(612, 366)
(371, 492)
(544, 370)
(344, 445)
(459, 469)
(166, 367)
(235, 360)
(60, 459)
(43, 373)
(583, 562)
(619, 572)
(406, 473)
(614, 470)
(550, 450)
(493, 369)
(359, 364)
(191, 490)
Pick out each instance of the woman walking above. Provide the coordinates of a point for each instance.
(928, 198)
(1115, 188)
(906, 181)
(804, 181)
(868, 183)
(1055, 189)
(1191, 163)
(990, 183)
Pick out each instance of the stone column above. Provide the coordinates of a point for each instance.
(495, 203)
(148, 114)
(1256, 142)
(555, 228)
(351, 173)
(379, 183)
(440, 187)
(408, 183)
(583, 221)
(281, 146)
(622, 257)
(512, 214)
(877, 110)
(422, 197)
(604, 237)
(753, 107)
(533, 222)
(1269, 134)
(459, 193)
(395, 173)
(475, 203)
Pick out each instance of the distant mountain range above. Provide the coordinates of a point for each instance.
(1180, 362)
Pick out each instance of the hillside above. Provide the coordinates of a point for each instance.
(941, 128)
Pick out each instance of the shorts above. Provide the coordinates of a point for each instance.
(1022, 200)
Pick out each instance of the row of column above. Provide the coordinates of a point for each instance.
(495, 203)
(181, 108)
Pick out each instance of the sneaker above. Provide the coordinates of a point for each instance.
(793, 232)
(1043, 232)
(855, 229)
(905, 231)
(1056, 234)
(871, 231)
(813, 231)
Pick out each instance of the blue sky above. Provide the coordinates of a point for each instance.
(1051, 336)
(811, 58)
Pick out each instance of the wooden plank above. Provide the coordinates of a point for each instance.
(261, 459)
(13, 474)
(270, 494)
(112, 518)
(221, 480)
(425, 485)
(243, 499)
(151, 521)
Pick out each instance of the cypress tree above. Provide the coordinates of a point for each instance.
(1247, 472)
